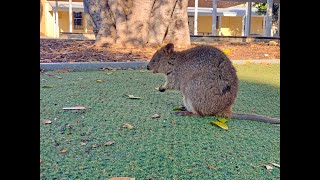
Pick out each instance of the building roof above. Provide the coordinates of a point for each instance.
(204, 8)
(239, 10)
(64, 6)
(208, 3)
(255, 1)
(78, 6)
(224, 3)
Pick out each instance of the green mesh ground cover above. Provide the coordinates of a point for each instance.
(169, 147)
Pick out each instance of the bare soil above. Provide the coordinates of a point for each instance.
(61, 50)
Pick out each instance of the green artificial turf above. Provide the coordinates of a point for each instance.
(168, 147)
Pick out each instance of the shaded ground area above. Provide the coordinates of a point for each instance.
(168, 147)
(83, 51)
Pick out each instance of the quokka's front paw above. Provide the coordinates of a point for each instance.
(183, 108)
(162, 89)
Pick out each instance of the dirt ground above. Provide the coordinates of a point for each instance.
(52, 50)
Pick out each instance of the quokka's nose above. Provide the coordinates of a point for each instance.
(148, 67)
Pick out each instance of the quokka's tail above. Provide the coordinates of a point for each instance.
(255, 117)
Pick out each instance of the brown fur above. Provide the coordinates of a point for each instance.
(204, 75)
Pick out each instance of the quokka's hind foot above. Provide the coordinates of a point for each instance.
(183, 108)
(226, 113)
(162, 89)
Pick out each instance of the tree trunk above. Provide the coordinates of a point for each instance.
(178, 27)
(139, 23)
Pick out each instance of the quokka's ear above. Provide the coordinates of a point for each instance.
(169, 48)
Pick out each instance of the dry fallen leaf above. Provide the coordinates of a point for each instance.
(93, 60)
(96, 145)
(109, 73)
(223, 120)
(63, 151)
(46, 121)
(41, 161)
(121, 178)
(75, 108)
(109, 143)
(155, 116)
(272, 43)
(83, 143)
(174, 122)
(248, 62)
(277, 165)
(227, 51)
(222, 125)
(269, 168)
(103, 171)
(211, 166)
(53, 75)
(99, 81)
(133, 97)
(127, 125)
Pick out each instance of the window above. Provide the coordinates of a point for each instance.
(77, 20)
